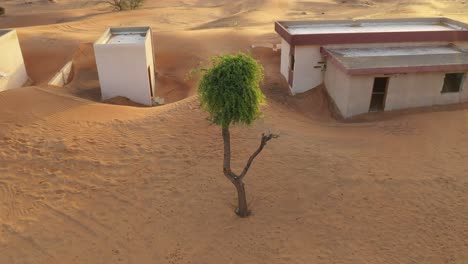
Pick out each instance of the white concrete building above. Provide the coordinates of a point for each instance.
(12, 70)
(377, 65)
(125, 63)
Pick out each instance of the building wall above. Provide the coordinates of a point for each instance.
(11, 62)
(150, 58)
(285, 48)
(307, 77)
(337, 85)
(62, 77)
(123, 71)
(462, 44)
(351, 94)
(360, 92)
(421, 89)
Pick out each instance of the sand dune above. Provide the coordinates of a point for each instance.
(88, 182)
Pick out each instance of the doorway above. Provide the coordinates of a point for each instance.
(150, 81)
(379, 92)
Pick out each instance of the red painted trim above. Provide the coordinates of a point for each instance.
(412, 69)
(283, 32)
(379, 37)
(281, 27)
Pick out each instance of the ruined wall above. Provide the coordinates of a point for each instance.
(12, 69)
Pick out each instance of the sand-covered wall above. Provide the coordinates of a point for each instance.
(123, 71)
(150, 60)
(63, 76)
(12, 69)
(337, 84)
(360, 90)
(352, 94)
(307, 77)
(421, 89)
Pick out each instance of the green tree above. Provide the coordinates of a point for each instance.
(230, 92)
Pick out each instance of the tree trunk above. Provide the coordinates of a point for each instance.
(227, 154)
(237, 180)
(242, 209)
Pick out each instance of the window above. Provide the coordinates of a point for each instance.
(453, 82)
(292, 61)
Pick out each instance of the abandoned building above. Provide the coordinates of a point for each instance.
(377, 65)
(12, 69)
(125, 64)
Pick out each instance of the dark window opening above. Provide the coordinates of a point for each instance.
(292, 61)
(453, 82)
(379, 91)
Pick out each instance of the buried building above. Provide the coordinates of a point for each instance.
(12, 70)
(377, 65)
(125, 64)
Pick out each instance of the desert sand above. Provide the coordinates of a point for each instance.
(83, 181)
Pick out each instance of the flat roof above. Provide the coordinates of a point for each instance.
(371, 31)
(357, 27)
(393, 60)
(123, 35)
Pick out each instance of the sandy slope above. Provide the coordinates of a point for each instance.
(86, 182)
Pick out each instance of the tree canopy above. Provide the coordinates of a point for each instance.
(230, 90)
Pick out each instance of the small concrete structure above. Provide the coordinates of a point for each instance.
(12, 69)
(63, 76)
(125, 63)
(377, 65)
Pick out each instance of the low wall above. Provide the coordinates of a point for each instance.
(306, 76)
(421, 89)
(63, 76)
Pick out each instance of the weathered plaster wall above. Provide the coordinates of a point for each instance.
(351, 94)
(123, 71)
(150, 59)
(12, 69)
(360, 91)
(62, 77)
(422, 89)
(307, 77)
(337, 84)
(285, 48)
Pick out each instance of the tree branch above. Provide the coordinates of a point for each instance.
(263, 142)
